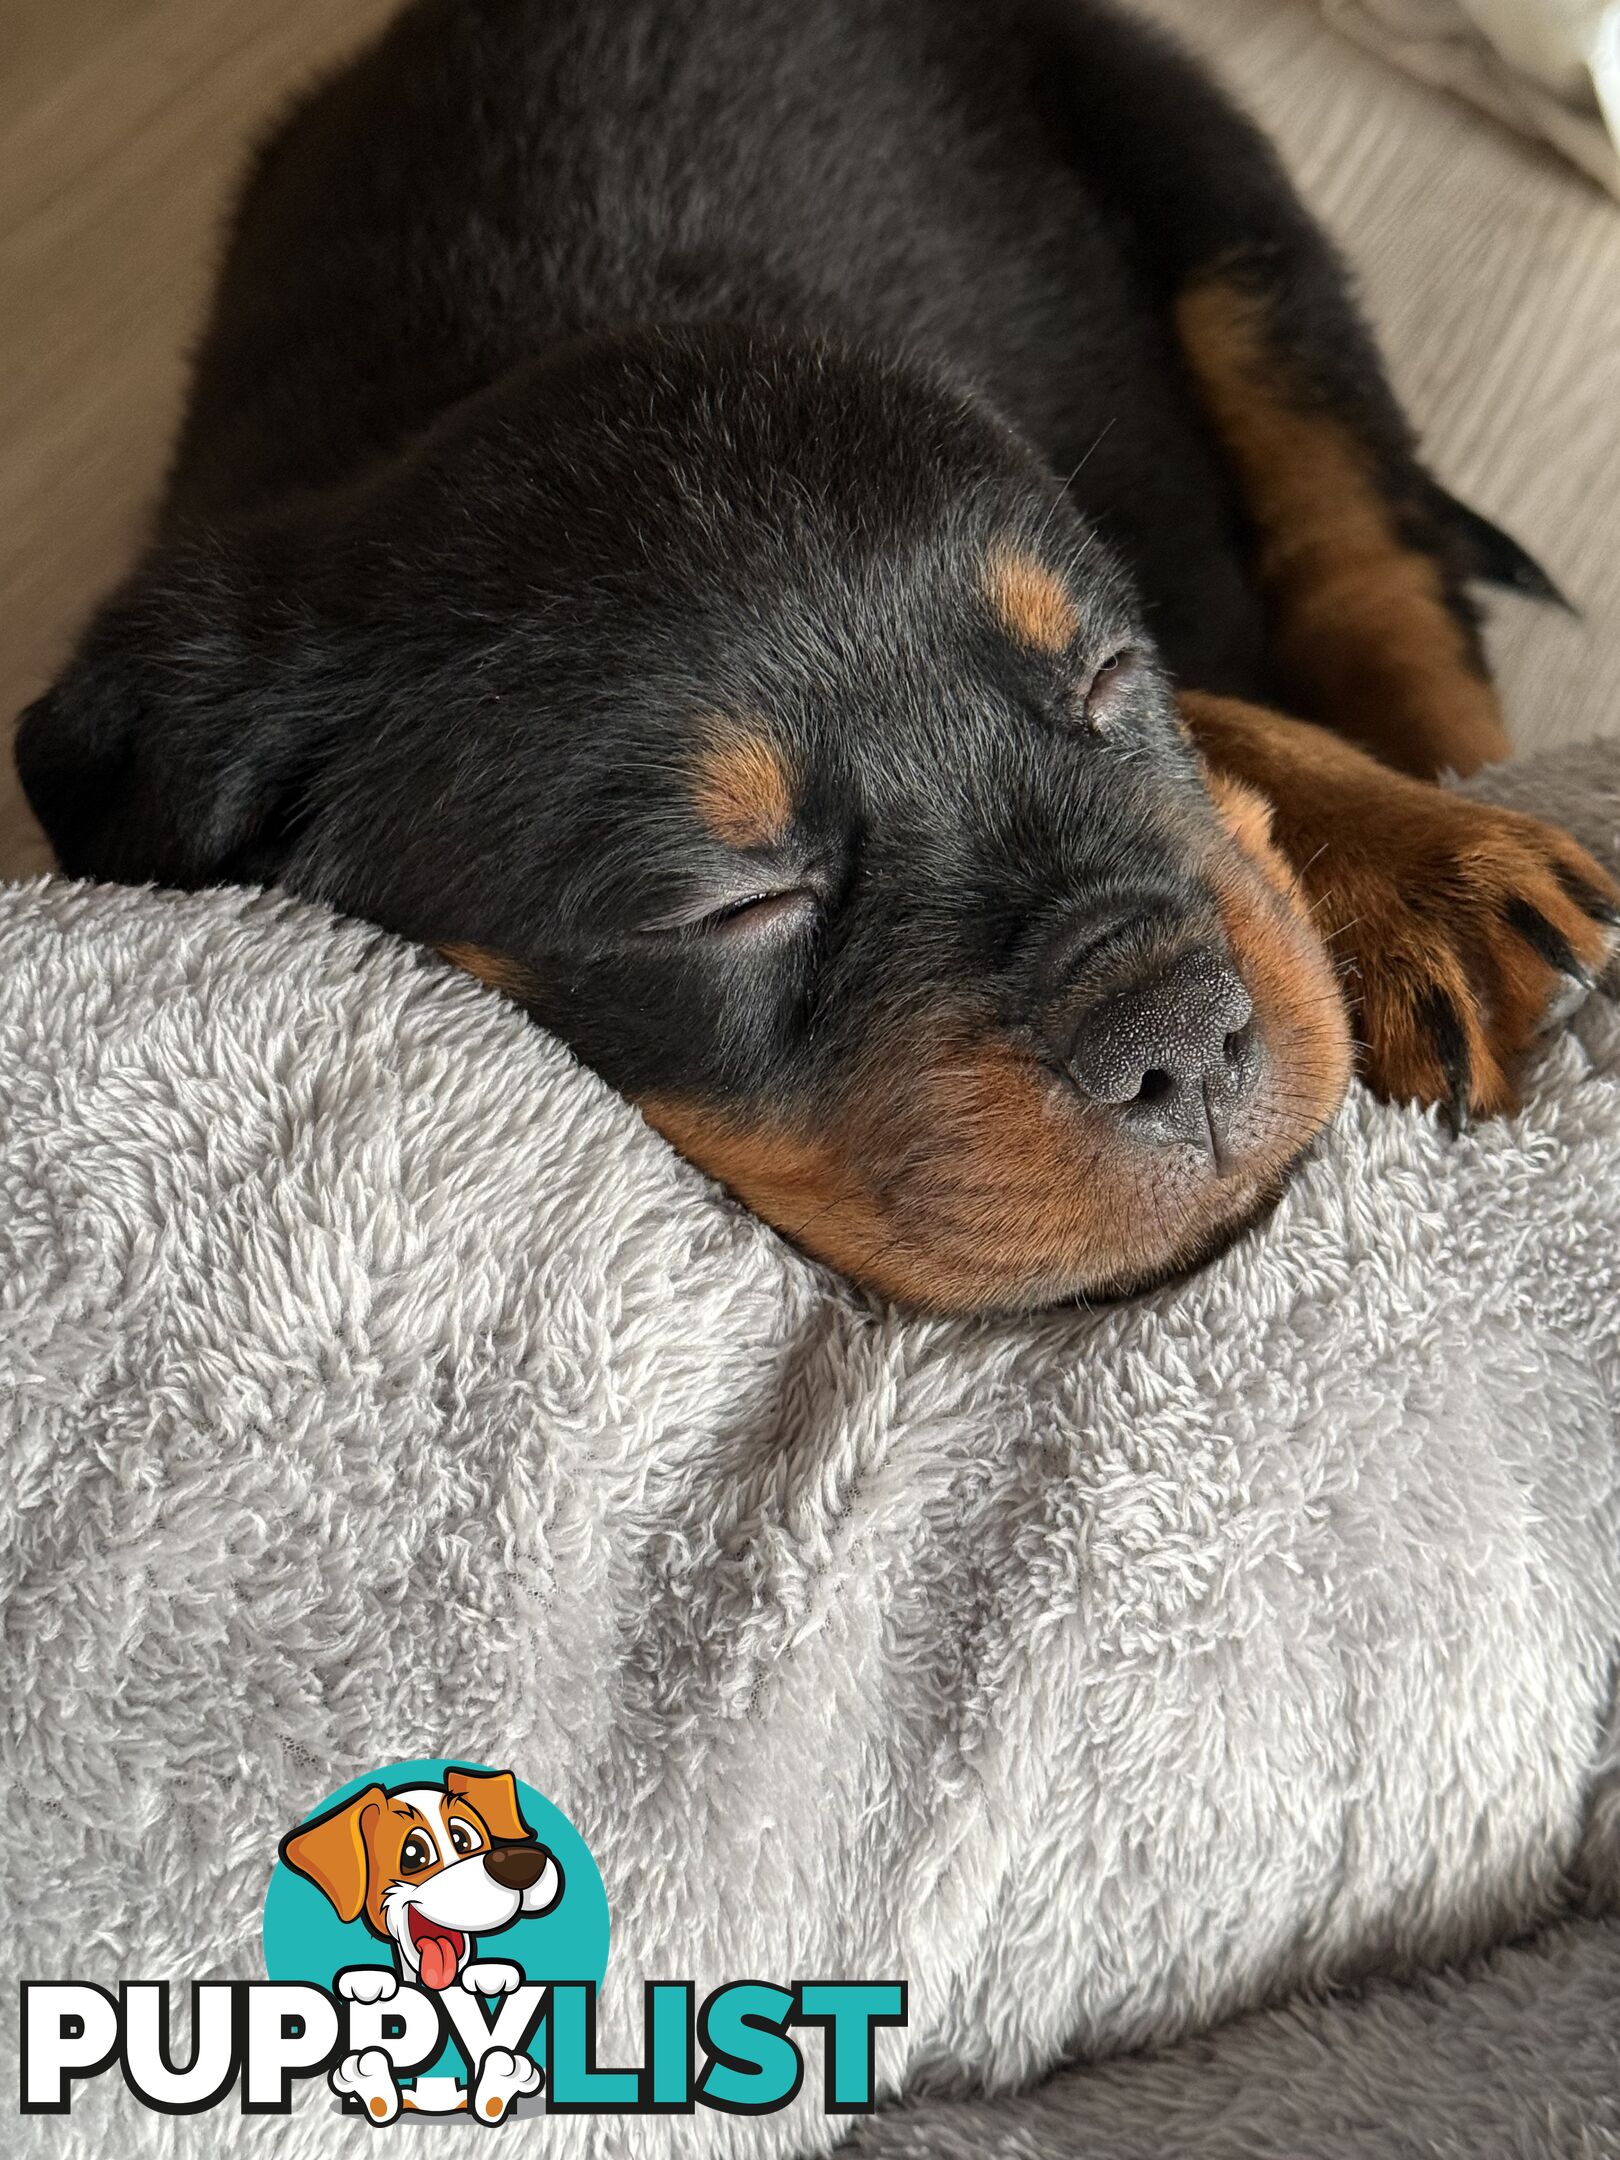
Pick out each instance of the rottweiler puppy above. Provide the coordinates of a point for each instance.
(781, 534)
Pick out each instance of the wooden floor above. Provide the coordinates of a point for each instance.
(1494, 273)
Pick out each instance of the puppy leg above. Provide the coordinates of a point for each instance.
(1361, 557)
(1463, 931)
(1368, 626)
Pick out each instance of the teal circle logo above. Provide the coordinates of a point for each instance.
(430, 1870)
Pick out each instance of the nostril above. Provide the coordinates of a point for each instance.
(1173, 1053)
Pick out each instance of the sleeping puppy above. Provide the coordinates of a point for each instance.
(779, 534)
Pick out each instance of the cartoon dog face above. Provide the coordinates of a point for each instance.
(429, 1867)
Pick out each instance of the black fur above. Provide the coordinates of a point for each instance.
(579, 372)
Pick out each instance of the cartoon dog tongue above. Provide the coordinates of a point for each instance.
(438, 1949)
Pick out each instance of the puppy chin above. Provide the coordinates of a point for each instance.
(1254, 1204)
(987, 1184)
(1183, 1251)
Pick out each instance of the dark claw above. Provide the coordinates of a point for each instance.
(1497, 557)
(1438, 1014)
(1587, 897)
(1544, 938)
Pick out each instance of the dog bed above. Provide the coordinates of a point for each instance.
(378, 1386)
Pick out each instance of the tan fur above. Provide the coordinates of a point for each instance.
(962, 1175)
(1029, 600)
(1361, 633)
(496, 971)
(744, 789)
(1410, 885)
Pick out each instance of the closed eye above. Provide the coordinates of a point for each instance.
(777, 911)
(764, 911)
(1108, 686)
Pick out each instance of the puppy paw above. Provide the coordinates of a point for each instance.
(367, 2079)
(503, 2078)
(490, 1976)
(1464, 933)
(1461, 932)
(367, 1984)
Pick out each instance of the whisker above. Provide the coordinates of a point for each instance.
(1059, 500)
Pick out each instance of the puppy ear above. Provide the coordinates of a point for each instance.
(170, 750)
(494, 1795)
(331, 1852)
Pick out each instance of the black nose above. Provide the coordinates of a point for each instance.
(1173, 1053)
(515, 1867)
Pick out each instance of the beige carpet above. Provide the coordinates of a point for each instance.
(1494, 272)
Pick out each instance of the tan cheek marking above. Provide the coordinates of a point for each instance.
(809, 1190)
(1361, 629)
(1286, 967)
(1030, 600)
(494, 970)
(744, 790)
(794, 1183)
(1280, 950)
(976, 1187)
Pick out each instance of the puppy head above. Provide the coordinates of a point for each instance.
(428, 1868)
(764, 720)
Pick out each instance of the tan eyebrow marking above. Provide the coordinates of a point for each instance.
(1030, 599)
(496, 971)
(744, 789)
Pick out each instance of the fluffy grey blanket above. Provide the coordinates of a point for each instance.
(377, 1385)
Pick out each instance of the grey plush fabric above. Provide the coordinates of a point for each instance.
(378, 1385)
(1517, 2059)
